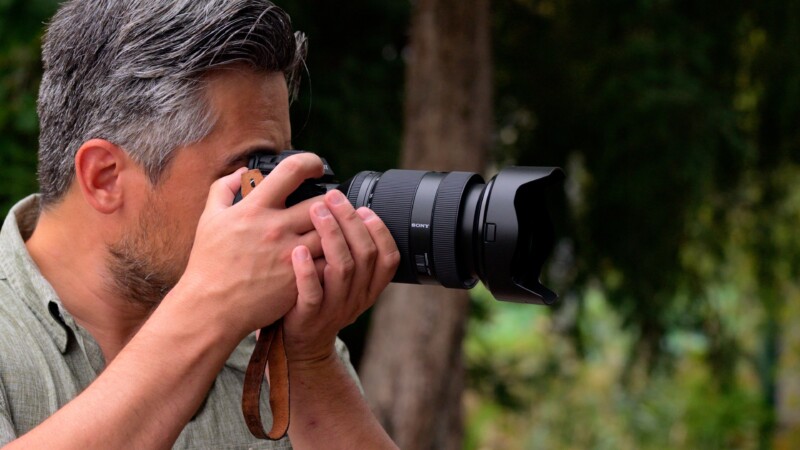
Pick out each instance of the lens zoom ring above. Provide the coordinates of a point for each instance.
(392, 202)
(445, 229)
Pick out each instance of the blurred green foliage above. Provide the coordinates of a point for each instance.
(677, 123)
(350, 107)
(532, 390)
(20, 71)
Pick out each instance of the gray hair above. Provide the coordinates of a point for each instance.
(131, 72)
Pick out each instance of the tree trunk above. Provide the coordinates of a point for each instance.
(788, 382)
(412, 369)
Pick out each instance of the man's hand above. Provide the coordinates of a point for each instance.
(242, 254)
(360, 259)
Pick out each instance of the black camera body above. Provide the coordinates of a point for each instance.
(267, 162)
(451, 228)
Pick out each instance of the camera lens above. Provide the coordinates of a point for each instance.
(452, 229)
(422, 211)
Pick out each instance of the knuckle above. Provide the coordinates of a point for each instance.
(347, 265)
(378, 225)
(350, 214)
(249, 214)
(286, 257)
(313, 294)
(370, 252)
(291, 164)
(381, 232)
(239, 227)
(314, 300)
(308, 271)
(273, 234)
(312, 159)
(330, 233)
(327, 224)
(303, 163)
(392, 259)
(219, 183)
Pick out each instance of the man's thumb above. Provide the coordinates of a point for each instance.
(224, 190)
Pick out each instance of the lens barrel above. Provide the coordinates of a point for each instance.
(452, 229)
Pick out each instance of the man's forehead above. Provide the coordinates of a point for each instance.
(249, 102)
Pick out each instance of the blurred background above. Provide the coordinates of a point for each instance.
(678, 260)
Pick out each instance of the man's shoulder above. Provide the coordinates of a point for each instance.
(19, 329)
(12, 312)
(27, 389)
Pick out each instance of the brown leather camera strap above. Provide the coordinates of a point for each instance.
(269, 351)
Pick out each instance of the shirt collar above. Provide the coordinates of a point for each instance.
(24, 277)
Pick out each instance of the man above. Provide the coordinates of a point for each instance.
(131, 287)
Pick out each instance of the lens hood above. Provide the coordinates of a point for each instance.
(516, 234)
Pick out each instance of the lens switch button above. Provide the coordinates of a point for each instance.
(490, 232)
(422, 264)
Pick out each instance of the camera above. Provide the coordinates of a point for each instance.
(452, 228)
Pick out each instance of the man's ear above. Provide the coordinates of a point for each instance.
(99, 168)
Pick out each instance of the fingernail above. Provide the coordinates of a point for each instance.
(366, 214)
(336, 197)
(301, 254)
(321, 211)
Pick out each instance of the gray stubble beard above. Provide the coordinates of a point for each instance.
(147, 262)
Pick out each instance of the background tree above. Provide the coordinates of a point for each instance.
(413, 357)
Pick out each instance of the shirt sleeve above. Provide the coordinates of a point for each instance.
(7, 433)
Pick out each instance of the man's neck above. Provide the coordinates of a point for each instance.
(72, 257)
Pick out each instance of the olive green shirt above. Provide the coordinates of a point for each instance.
(46, 359)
